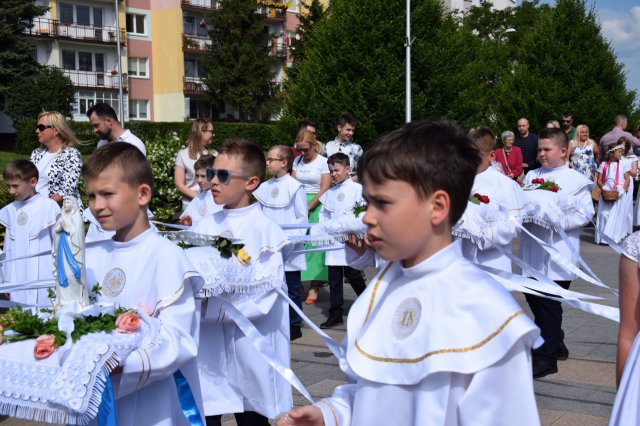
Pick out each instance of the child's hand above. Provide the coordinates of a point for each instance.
(302, 416)
(359, 245)
(186, 220)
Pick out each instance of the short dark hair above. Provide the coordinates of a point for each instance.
(204, 162)
(339, 158)
(103, 110)
(567, 114)
(248, 152)
(558, 136)
(430, 155)
(23, 170)
(133, 164)
(347, 118)
(304, 124)
(483, 138)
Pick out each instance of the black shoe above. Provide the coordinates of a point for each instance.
(543, 366)
(561, 353)
(294, 332)
(332, 321)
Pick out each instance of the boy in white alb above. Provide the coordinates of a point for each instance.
(202, 205)
(552, 152)
(502, 191)
(234, 376)
(284, 201)
(338, 201)
(29, 222)
(433, 340)
(140, 269)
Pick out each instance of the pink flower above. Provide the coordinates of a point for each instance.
(44, 347)
(128, 322)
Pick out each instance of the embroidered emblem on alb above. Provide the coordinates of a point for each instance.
(406, 318)
(340, 197)
(114, 282)
(202, 210)
(22, 218)
(275, 192)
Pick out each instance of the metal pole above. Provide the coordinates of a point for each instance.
(408, 65)
(120, 93)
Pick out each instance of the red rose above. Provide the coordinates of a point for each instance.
(128, 322)
(554, 188)
(484, 199)
(537, 180)
(44, 347)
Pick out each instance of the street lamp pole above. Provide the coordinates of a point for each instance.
(408, 66)
(120, 92)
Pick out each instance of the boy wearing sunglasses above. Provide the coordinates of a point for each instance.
(234, 376)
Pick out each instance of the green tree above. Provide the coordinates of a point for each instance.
(315, 12)
(563, 63)
(22, 104)
(238, 63)
(16, 50)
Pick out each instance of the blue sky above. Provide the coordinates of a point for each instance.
(620, 24)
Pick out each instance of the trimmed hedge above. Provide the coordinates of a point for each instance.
(264, 135)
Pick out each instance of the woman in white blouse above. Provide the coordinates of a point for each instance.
(311, 169)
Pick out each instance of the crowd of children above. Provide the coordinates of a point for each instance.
(433, 334)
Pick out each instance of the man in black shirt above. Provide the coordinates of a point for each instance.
(528, 144)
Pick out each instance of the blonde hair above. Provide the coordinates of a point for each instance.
(579, 127)
(60, 125)
(194, 142)
(310, 138)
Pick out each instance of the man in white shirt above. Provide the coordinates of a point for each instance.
(105, 124)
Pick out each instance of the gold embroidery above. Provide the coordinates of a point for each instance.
(375, 290)
(407, 319)
(440, 351)
(168, 300)
(333, 413)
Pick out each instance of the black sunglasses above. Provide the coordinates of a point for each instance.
(42, 127)
(223, 175)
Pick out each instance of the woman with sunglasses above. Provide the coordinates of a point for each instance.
(311, 169)
(57, 160)
(184, 174)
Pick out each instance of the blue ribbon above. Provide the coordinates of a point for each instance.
(66, 255)
(107, 409)
(187, 401)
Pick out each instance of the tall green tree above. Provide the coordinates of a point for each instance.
(16, 50)
(238, 62)
(22, 104)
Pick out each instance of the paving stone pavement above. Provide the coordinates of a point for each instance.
(581, 393)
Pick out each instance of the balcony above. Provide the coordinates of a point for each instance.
(53, 28)
(273, 13)
(95, 80)
(194, 86)
(200, 4)
(194, 43)
(278, 48)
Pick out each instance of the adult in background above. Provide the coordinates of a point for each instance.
(302, 126)
(528, 144)
(552, 124)
(105, 124)
(311, 169)
(58, 162)
(584, 152)
(611, 138)
(509, 156)
(567, 121)
(184, 174)
(343, 141)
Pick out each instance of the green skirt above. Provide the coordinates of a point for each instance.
(316, 269)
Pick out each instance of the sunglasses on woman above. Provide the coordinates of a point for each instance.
(223, 175)
(42, 127)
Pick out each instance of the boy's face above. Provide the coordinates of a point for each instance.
(234, 193)
(201, 179)
(339, 173)
(551, 155)
(400, 224)
(345, 133)
(22, 190)
(118, 206)
(275, 164)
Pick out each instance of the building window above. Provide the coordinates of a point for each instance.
(138, 67)
(66, 13)
(199, 109)
(85, 99)
(138, 109)
(81, 15)
(68, 60)
(83, 61)
(194, 68)
(136, 24)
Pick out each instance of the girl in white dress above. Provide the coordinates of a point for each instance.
(630, 162)
(612, 176)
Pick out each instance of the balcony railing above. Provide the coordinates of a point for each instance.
(195, 43)
(278, 48)
(201, 4)
(45, 27)
(103, 80)
(273, 13)
(194, 86)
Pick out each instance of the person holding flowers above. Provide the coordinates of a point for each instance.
(557, 177)
(612, 176)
